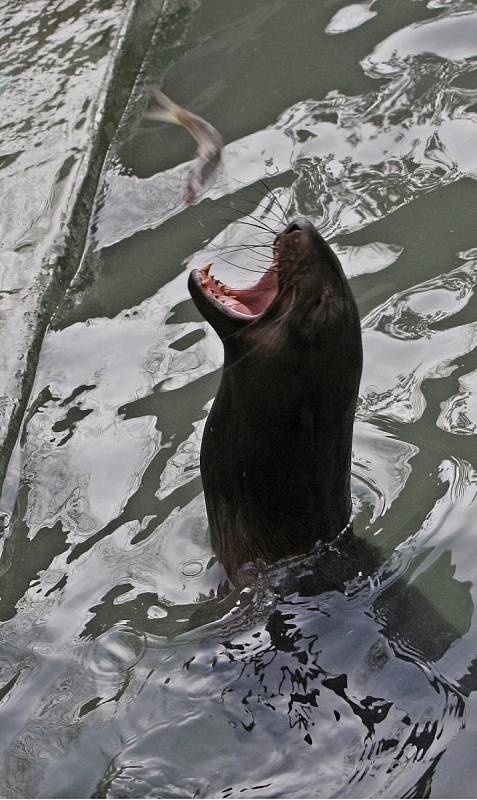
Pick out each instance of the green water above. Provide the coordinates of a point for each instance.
(121, 673)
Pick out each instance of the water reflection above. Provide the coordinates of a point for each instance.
(309, 698)
(359, 157)
(350, 17)
(405, 328)
(55, 63)
(129, 667)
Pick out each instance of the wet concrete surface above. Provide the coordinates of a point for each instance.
(67, 70)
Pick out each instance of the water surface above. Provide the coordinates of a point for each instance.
(121, 672)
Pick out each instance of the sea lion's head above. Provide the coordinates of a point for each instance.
(304, 294)
(276, 452)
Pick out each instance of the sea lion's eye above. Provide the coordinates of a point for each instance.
(292, 227)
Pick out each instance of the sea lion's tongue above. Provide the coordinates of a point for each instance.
(250, 301)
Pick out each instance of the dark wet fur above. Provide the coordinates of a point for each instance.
(276, 451)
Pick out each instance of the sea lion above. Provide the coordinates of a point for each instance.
(276, 451)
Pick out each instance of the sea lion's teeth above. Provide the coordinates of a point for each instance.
(231, 302)
(205, 277)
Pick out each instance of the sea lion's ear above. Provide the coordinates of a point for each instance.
(309, 326)
(326, 308)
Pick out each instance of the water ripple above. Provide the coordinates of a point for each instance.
(362, 156)
(403, 348)
(123, 646)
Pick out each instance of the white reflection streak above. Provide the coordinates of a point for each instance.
(401, 349)
(459, 413)
(356, 139)
(120, 360)
(350, 17)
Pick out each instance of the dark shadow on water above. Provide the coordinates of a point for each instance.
(164, 405)
(23, 559)
(312, 649)
(405, 615)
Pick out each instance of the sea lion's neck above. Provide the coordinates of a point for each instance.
(276, 472)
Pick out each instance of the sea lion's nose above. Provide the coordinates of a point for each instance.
(298, 224)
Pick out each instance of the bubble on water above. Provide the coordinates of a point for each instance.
(192, 568)
(116, 651)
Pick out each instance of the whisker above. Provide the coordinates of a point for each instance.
(269, 191)
(246, 269)
(252, 225)
(258, 259)
(250, 257)
(231, 220)
(258, 220)
(239, 211)
(259, 205)
(244, 246)
(264, 224)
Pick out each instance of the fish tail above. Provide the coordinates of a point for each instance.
(166, 110)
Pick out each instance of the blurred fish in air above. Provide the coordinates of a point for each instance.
(209, 140)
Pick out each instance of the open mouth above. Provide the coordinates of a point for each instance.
(247, 303)
(227, 308)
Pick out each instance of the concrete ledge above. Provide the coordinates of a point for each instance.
(67, 74)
